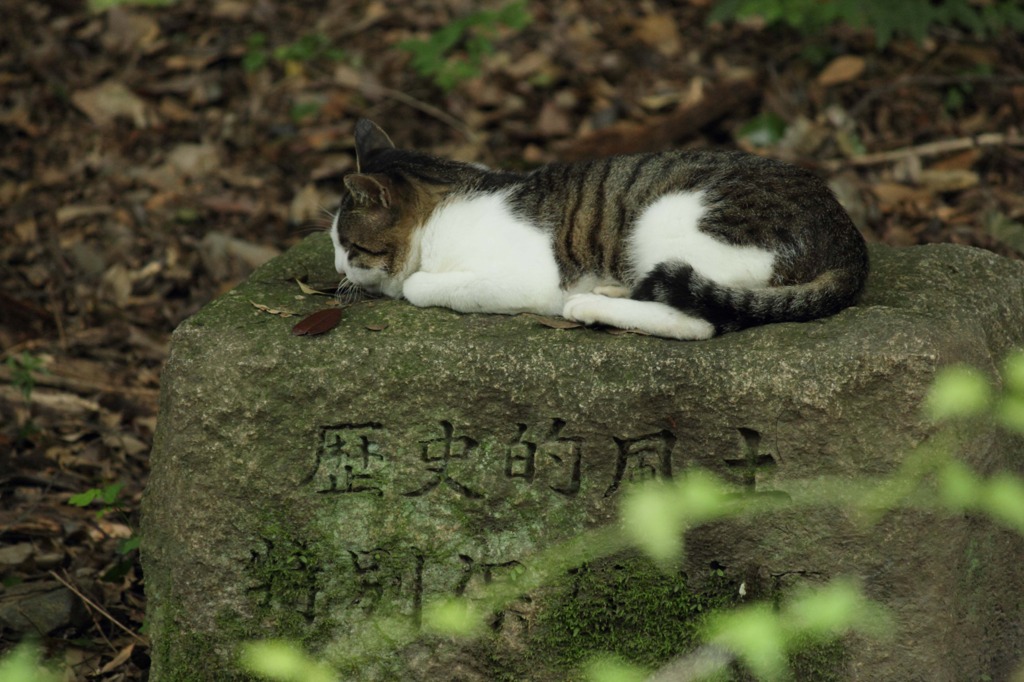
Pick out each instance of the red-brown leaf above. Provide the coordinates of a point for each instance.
(317, 323)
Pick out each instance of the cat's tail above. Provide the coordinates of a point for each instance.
(734, 308)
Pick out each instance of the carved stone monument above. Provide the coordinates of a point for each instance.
(325, 488)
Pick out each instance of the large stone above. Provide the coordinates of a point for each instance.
(321, 487)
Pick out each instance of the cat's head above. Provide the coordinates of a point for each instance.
(391, 195)
(371, 230)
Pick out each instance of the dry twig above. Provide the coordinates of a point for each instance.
(928, 149)
(89, 602)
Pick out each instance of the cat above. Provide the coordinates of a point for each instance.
(684, 245)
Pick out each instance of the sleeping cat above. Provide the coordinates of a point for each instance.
(677, 244)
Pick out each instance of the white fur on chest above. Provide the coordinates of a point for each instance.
(496, 261)
(667, 231)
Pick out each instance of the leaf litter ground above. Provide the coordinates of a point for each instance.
(154, 157)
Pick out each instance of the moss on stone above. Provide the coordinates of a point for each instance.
(815, 661)
(627, 606)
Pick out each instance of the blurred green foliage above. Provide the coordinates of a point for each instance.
(308, 48)
(888, 18)
(455, 53)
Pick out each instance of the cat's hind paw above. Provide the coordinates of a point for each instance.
(613, 291)
(585, 308)
(651, 317)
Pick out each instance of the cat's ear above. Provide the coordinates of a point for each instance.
(369, 138)
(368, 190)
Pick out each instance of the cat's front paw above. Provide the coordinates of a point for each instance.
(585, 308)
(417, 290)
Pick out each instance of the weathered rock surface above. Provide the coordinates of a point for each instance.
(304, 486)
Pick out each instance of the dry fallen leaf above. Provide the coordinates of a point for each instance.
(118, 660)
(659, 31)
(951, 180)
(127, 31)
(192, 160)
(310, 291)
(892, 194)
(317, 323)
(272, 311)
(556, 322)
(842, 69)
(964, 160)
(109, 100)
(553, 121)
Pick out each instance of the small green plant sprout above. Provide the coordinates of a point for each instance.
(310, 48)
(108, 497)
(255, 57)
(764, 130)
(22, 368)
(912, 18)
(455, 53)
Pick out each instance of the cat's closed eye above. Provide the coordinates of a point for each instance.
(363, 250)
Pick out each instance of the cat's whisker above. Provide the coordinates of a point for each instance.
(321, 223)
(310, 229)
(348, 293)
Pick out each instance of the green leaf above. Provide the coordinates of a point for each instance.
(118, 571)
(655, 514)
(1006, 230)
(764, 130)
(128, 544)
(958, 391)
(1003, 499)
(284, 661)
(724, 10)
(110, 493)
(22, 665)
(613, 669)
(302, 111)
(1011, 412)
(651, 518)
(515, 16)
(959, 487)
(454, 616)
(833, 610)
(254, 61)
(755, 635)
(85, 499)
